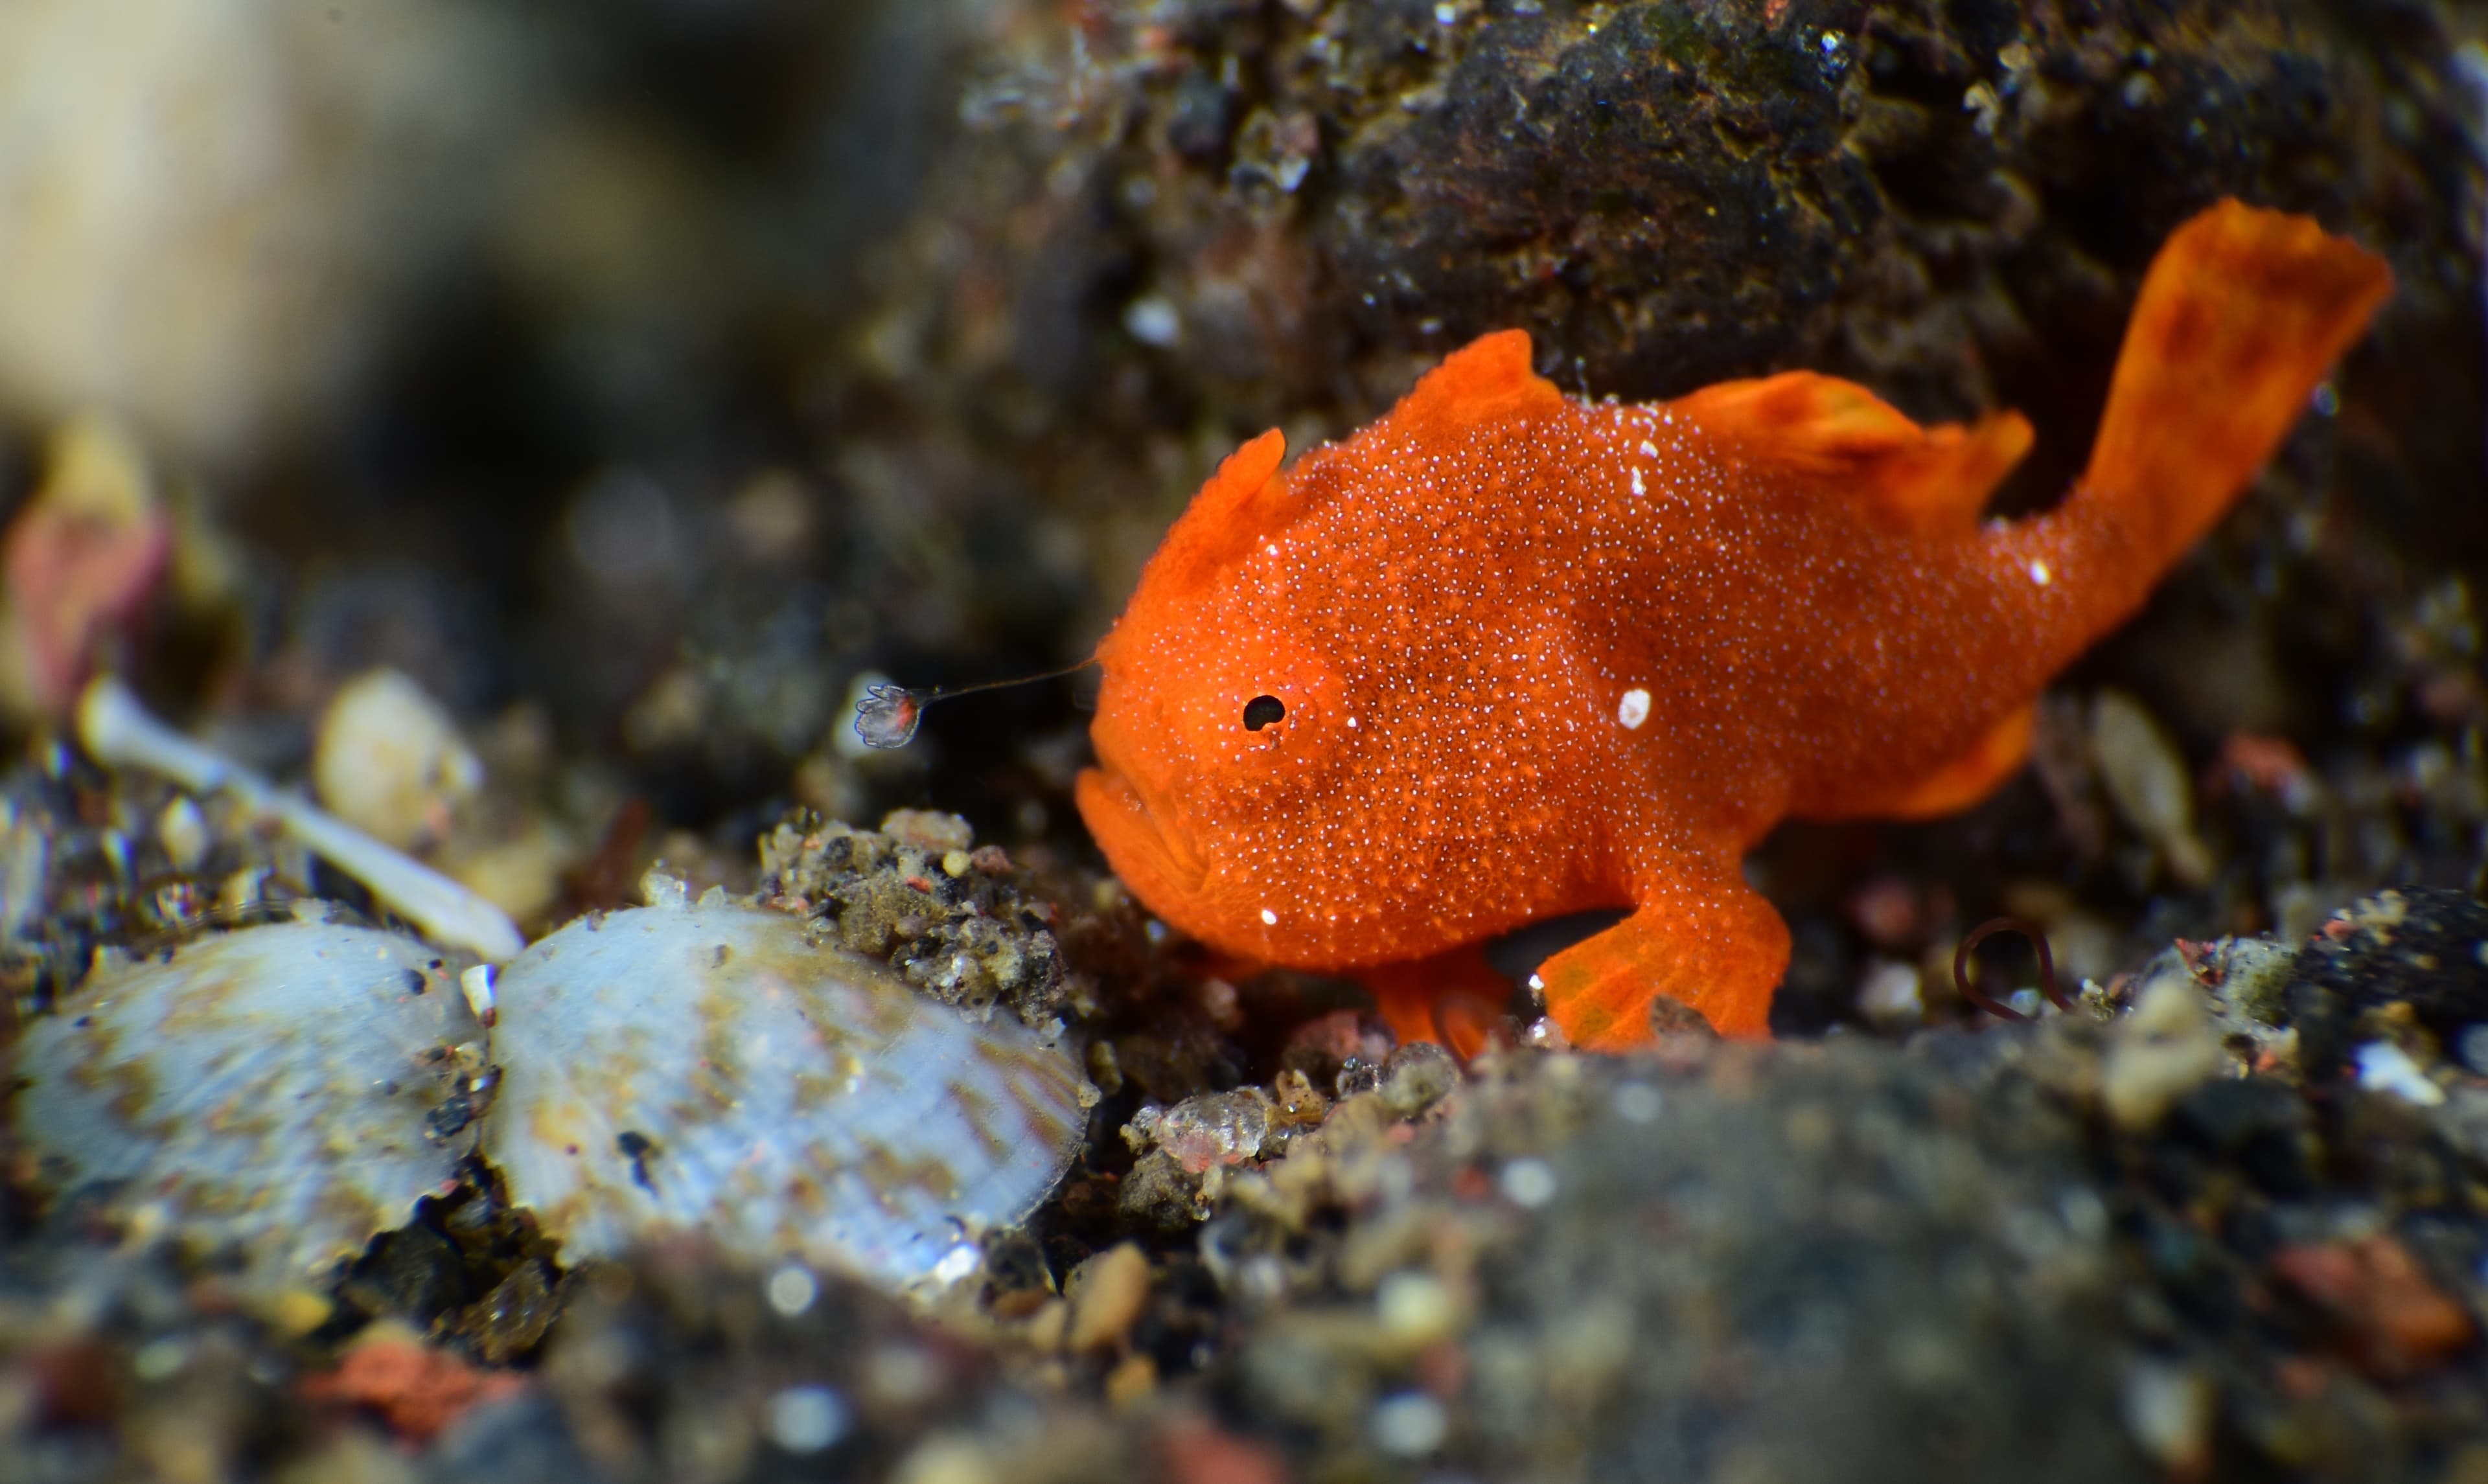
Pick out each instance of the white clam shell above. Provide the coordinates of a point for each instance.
(710, 1071)
(272, 1088)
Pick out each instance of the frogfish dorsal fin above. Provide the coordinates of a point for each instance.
(1246, 499)
(1486, 380)
(1835, 433)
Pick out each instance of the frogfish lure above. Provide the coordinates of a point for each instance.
(888, 715)
(1505, 654)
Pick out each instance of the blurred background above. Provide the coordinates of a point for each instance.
(527, 425)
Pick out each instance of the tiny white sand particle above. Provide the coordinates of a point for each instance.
(160, 1360)
(1154, 320)
(1410, 1424)
(792, 1290)
(1528, 1182)
(2040, 573)
(1633, 710)
(957, 1262)
(477, 984)
(1352, 723)
(2384, 1067)
(805, 1420)
(1269, 918)
(1637, 1103)
(1415, 1308)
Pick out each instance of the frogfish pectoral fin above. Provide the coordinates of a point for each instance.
(1700, 937)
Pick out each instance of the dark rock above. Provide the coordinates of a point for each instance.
(413, 1270)
(516, 1442)
(1160, 1195)
(512, 1320)
(2423, 947)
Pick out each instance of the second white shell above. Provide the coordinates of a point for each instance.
(710, 1071)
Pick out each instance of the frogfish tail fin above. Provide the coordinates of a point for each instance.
(2240, 315)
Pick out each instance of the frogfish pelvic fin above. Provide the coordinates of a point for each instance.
(1505, 654)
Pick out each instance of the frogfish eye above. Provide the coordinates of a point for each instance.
(1261, 711)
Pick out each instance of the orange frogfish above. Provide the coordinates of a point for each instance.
(1505, 654)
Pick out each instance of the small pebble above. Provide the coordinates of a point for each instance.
(389, 760)
(662, 888)
(1638, 1102)
(475, 982)
(2473, 1048)
(1410, 1424)
(1416, 1076)
(957, 1262)
(1529, 1183)
(182, 830)
(2163, 1051)
(1133, 1381)
(805, 1420)
(901, 1375)
(1107, 1292)
(2384, 1067)
(1888, 996)
(928, 830)
(1415, 1309)
(160, 1360)
(792, 1290)
(2169, 1412)
(2148, 781)
(1218, 1127)
(946, 1458)
(1544, 1035)
(1154, 320)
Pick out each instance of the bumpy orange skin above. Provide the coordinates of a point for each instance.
(1538, 656)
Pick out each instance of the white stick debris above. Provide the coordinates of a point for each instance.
(115, 729)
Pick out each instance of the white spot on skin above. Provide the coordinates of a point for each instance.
(1272, 549)
(1633, 710)
(1269, 918)
(2040, 573)
(1351, 723)
(1648, 449)
(1637, 474)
